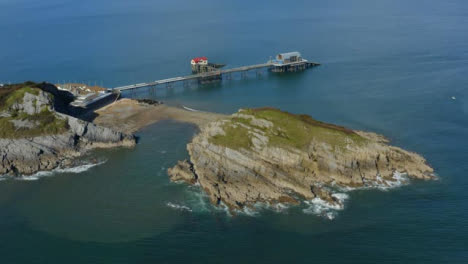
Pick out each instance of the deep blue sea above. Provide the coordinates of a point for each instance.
(396, 67)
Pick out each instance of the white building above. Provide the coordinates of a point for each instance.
(288, 57)
(199, 61)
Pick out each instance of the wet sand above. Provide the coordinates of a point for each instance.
(129, 116)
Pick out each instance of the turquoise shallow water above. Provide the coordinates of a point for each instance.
(391, 67)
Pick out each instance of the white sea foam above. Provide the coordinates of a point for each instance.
(280, 207)
(198, 200)
(79, 169)
(179, 207)
(315, 206)
(190, 109)
(76, 169)
(325, 209)
(276, 207)
(320, 207)
(398, 179)
(330, 215)
(248, 211)
(223, 207)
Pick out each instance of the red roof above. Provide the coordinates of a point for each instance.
(198, 59)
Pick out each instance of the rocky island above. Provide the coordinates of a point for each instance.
(37, 133)
(255, 155)
(266, 155)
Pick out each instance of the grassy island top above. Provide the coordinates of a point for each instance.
(45, 122)
(287, 130)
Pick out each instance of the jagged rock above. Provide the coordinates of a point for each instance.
(21, 155)
(182, 172)
(34, 104)
(27, 156)
(324, 195)
(267, 155)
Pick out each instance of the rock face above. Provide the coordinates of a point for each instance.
(183, 171)
(34, 103)
(30, 155)
(38, 138)
(266, 155)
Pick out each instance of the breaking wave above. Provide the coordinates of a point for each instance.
(179, 207)
(199, 201)
(398, 179)
(245, 211)
(256, 209)
(325, 209)
(41, 174)
(190, 109)
(276, 207)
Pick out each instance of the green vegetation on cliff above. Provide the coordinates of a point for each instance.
(236, 137)
(19, 124)
(285, 130)
(11, 94)
(16, 96)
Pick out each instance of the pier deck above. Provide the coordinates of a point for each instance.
(212, 74)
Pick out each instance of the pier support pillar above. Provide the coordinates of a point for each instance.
(244, 75)
(153, 90)
(259, 73)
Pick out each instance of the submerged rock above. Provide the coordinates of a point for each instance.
(266, 155)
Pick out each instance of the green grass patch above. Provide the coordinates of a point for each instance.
(47, 123)
(15, 94)
(289, 130)
(237, 137)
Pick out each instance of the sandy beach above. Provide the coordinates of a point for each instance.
(129, 116)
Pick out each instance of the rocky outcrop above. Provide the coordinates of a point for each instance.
(271, 156)
(184, 172)
(30, 155)
(33, 103)
(37, 138)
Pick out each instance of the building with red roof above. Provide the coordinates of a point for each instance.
(199, 61)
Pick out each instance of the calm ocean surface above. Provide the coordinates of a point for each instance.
(389, 66)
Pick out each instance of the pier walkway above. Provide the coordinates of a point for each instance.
(215, 74)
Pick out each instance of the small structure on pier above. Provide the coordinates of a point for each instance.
(201, 65)
(290, 62)
(289, 57)
(199, 61)
(205, 72)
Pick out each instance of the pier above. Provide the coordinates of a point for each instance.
(207, 72)
(286, 62)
